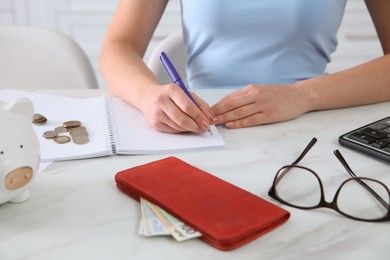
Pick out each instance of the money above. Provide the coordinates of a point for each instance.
(60, 129)
(179, 230)
(62, 139)
(78, 130)
(80, 139)
(39, 119)
(151, 224)
(77, 133)
(71, 124)
(50, 134)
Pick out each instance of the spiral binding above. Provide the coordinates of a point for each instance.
(111, 134)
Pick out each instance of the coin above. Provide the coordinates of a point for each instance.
(38, 119)
(37, 116)
(61, 129)
(82, 139)
(61, 139)
(79, 133)
(71, 124)
(49, 134)
(78, 128)
(81, 130)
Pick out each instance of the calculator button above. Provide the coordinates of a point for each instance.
(374, 133)
(379, 126)
(362, 137)
(386, 131)
(380, 144)
(387, 122)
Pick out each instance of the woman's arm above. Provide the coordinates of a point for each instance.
(166, 108)
(364, 84)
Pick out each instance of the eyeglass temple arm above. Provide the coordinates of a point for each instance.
(350, 172)
(305, 151)
(300, 157)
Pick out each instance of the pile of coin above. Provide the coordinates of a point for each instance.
(77, 133)
(39, 119)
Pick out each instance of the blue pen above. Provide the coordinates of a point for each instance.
(174, 75)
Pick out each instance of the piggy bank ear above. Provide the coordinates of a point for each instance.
(22, 107)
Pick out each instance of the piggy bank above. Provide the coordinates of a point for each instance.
(19, 150)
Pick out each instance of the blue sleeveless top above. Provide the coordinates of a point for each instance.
(231, 43)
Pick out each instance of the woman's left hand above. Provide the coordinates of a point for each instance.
(260, 104)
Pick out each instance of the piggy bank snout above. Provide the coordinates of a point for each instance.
(18, 177)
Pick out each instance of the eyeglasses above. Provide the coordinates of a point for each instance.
(358, 198)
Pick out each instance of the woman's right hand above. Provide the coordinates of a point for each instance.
(168, 109)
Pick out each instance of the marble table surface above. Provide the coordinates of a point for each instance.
(76, 211)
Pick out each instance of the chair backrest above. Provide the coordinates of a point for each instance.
(32, 58)
(173, 46)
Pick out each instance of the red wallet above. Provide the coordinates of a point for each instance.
(226, 215)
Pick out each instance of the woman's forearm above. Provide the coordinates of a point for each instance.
(125, 72)
(364, 84)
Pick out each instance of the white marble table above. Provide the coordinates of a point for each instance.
(76, 211)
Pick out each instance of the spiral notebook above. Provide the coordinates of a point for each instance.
(114, 127)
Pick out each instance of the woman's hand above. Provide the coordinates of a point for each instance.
(260, 104)
(169, 109)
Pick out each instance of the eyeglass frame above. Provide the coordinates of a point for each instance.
(323, 203)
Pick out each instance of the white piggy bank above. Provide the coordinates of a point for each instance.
(19, 150)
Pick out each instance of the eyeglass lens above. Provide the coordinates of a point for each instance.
(300, 187)
(356, 201)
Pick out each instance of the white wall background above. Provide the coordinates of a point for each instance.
(87, 20)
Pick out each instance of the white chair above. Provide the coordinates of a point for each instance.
(173, 46)
(32, 58)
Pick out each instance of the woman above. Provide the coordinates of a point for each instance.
(273, 52)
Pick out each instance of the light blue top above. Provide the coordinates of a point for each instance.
(231, 43)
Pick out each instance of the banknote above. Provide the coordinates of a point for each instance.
(150, 224)
(178, 225)
(179, 230)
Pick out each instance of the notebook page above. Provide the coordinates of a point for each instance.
(58, 109)
(135, 136)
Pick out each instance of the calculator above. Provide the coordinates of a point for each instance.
(372, 139)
